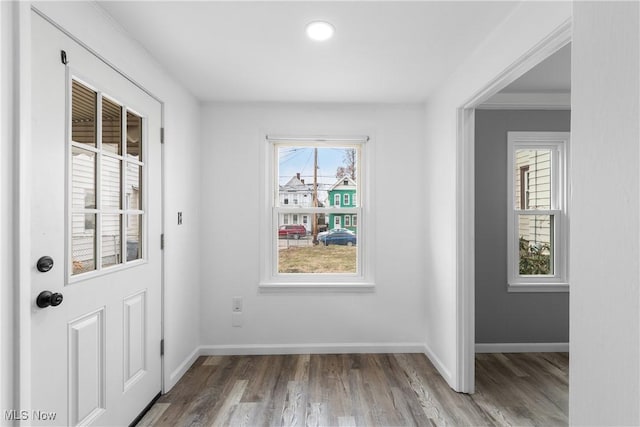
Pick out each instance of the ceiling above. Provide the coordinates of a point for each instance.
(553, 75)
(382, 51)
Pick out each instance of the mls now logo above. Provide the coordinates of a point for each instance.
(15, 415)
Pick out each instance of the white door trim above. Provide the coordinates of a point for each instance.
(23, 210)
(465, 188)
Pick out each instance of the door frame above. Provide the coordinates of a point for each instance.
(24, 262)
(465, 195)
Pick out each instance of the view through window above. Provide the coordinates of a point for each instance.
(106, 173)
(317, 201)
(537, 212)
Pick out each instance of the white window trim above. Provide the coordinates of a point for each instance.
(558, 143)
(336, 200)
(337, 221)
(347, 220)
(346, 199)
(363, 280)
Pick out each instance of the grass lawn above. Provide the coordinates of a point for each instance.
(317, 259)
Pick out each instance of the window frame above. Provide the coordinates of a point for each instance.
(270, 279)
(558, 144)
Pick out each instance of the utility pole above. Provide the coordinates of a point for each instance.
(314, 228)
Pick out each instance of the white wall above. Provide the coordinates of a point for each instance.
(605, 219)
(181, 157)
(233, 135)
(522, 30)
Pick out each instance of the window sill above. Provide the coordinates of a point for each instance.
(538, 287)
(338, 287)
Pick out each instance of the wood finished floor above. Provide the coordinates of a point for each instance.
(364, 390)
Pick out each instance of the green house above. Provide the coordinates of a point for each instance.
(343, 194)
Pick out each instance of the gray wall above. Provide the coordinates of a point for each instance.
(503, 317)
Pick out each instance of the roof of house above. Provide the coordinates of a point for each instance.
(351, 185)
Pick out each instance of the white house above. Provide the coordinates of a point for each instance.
(214, 83)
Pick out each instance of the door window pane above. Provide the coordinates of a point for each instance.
(111, 240)
(134, 231)
(111, 184)
(83, 179)
(134, 186)
(83, 114)
(134, 135)
(536, 244)
(532, 179)
(111, 126)
(83, 243)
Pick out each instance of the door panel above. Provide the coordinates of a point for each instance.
(96, 210)
(86, 375)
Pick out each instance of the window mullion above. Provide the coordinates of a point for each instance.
(124, 219)
(98, 181)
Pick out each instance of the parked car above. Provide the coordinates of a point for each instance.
(335, 230)
(338, 238)
(294, 231)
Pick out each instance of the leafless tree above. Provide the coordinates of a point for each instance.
(350, 159)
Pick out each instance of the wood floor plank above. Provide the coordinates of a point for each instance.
(229, 405)
(153, 415)
(524, 389)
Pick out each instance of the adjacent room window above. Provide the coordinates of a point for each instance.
(330, 175)
(106, 172)
(537, 214)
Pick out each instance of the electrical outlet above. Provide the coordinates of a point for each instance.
(236, 319)
(236, 304)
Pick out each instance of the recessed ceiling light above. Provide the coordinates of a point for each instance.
(320, 30)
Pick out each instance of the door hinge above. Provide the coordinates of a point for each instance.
(161, 347)
(162, 241)
(161, 135)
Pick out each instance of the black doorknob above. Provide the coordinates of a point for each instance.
(45, 264)
(47, 298)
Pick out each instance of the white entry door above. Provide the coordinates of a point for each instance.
(96, 214)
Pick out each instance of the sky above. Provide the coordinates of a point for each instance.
(300, 159)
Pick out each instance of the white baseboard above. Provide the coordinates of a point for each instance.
(444, 372)
(525, 347)
(328, 348)
(182, 369)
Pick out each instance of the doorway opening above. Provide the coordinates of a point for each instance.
(492, 97)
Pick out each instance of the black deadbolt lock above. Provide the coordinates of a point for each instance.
(47, 298)
(45, 264)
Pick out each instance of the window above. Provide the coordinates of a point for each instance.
(347, 220)
(354, 221)
(106, 176)
(346, 200)
(537, 214)
(321, 256)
